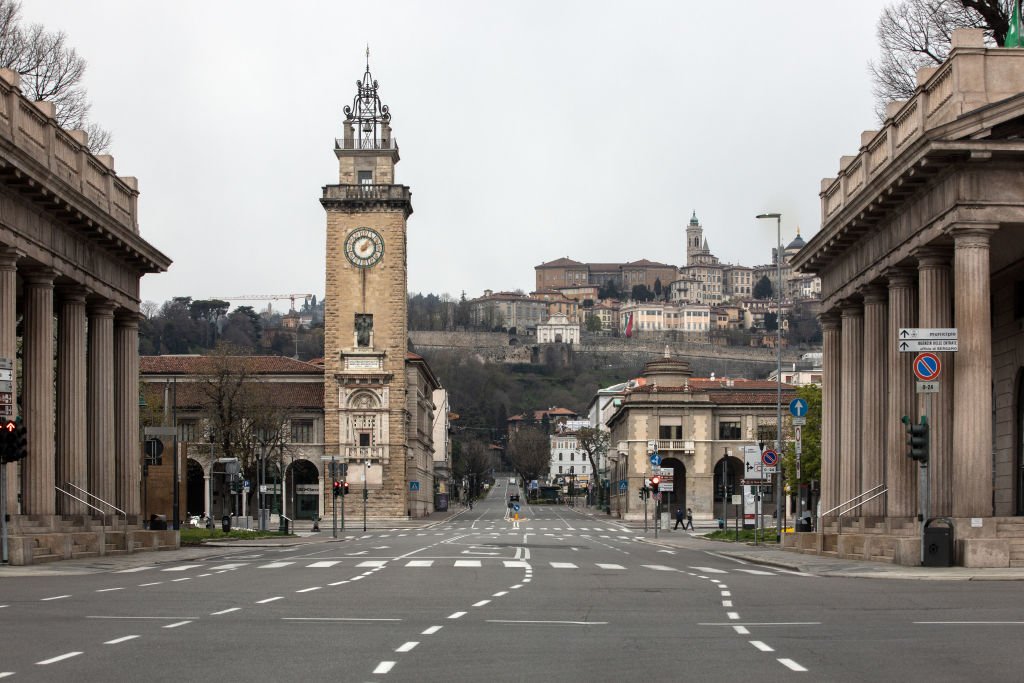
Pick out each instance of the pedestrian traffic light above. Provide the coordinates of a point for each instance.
(344, 488)
(655, 482)
(337, 488)
(917, 439)
(8, 437)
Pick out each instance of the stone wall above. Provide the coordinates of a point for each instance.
(498, 347)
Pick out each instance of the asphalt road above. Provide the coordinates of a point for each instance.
(567, 596)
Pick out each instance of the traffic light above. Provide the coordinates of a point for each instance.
(337, 488)
(917, 439)
(344, 489)
(13, 440)
(655, 482)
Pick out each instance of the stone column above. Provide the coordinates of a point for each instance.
(851, 377)
(900, 470)
(9, 347)
(101, 401)
(37, 398)
(71, 415)
(126, 413)
(935, 309)
(831, 403)
(873, 413)
(972, 391)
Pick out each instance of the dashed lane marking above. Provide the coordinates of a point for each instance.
(123, 639)
(59, 658)
(405, 647)
(791, 665)
(177, 624)
(384, 667)
(761, 646)
(324, 563)
(431, 631)
(710, 570)
(274, 565)
(225, 611)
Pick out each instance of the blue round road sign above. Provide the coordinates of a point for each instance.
(515, 507)
(655, 459)
(798, 407)
(927, 367)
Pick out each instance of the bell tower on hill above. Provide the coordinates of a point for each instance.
(365, 336)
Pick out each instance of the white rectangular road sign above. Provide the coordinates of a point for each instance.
(918, 345)
(753, 468)
(927, 333)
(927, 387)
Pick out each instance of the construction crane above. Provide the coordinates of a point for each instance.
(267, 297)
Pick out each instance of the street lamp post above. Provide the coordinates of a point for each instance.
(778, 368)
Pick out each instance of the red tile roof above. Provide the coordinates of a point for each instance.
(558, 263)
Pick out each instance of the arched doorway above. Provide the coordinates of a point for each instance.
(728, 475)
(676, 497)
(1019, 470)
(302, 490)
(195, 483)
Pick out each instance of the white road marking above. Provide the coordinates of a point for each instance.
(516, 587)
(431, 631)
(384, 667)
(420, 563)
(134, 569)
(309, 590)
(535, 621)
(59, 658)
(204, 575)
(659, 567)
(790, 664)
(55, 597)
(5, 674)
(184, 578)
(182, 568)
(263, 602)
(123, 639)
(515, 563)
(733, 615)
(467, 563)
(742, 630)
(405, 647)
(975, 623)
(610, 566)
(761, 646)
(563, 565)
(372, 563)
(225, 611)
(499, 594)
(105, 590)
(726, 603)
(456, 615)
(756, 572)
(481, 603)
(338, 583)
(358, 578)
(177, 624)
(274, 565)
(726, 594)
(325, 563)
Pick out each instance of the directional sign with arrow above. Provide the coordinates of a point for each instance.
(915, 339)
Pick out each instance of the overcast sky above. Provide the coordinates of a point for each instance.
(528, 130)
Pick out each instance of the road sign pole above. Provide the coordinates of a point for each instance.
(924, 484)
(3, 513)
(334, 498)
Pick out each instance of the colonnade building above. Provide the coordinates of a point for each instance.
(924, 228)
(71, 258)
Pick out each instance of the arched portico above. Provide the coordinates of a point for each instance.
(302, 490)
(677, 496)
(728, 474)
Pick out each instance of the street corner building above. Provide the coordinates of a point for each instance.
(924, 228)
(71, 258)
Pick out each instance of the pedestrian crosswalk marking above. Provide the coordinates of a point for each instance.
(710, 570)
(467, 563)
(181, 568)
(274, 565)
(563, 565)
(420, 563)
(610, 566)
(372, 563)
(324, 563)
(225, 567)
(516, 563)
(659, 567)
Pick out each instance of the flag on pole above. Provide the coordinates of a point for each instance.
(629, 325)
(1013, 34)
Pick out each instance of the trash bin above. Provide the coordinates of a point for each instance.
(938, 543)
(721, 523)
(225, 523)
(803, 524)
(284, 525)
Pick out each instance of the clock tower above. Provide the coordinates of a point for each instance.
(365, 336)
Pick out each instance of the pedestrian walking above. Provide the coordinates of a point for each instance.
(689, 520)
(679, 519)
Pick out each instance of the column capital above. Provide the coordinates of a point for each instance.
(851, 308)
(830, 320)
(967, 235)
(875, 294)
(72, 293)
(9, 258)
(931, 257)
(124, 317)
(39, 276)
(901, 278)
(101, 308)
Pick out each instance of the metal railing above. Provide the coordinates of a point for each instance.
(839, 518)
(83, 502)
(101, 501)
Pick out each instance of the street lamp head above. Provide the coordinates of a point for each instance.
(769, 215)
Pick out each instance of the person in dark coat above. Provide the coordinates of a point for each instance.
(689, 519)
(679, 519)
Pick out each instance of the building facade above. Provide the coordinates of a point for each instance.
(507, 309)
(922, 229)
(557, 330)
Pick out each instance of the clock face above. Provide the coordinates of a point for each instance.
(364, 247)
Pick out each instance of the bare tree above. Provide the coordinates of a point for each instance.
(913, 34)
(50, 70)
(593, 442)
(529, 450)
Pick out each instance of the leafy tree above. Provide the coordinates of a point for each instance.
(641, 293)
(657, 287)
(243, 328)
(593, 323)
(609, 290)
(916, 33)
(810, 456)
(771, 321)
(764, 289)
(50, 70)
(472, 461)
